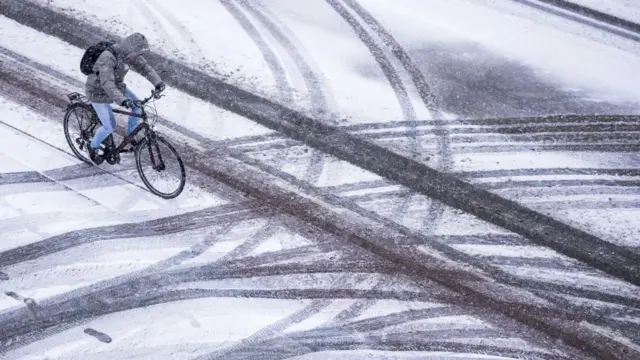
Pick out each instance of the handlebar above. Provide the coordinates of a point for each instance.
(154, 95)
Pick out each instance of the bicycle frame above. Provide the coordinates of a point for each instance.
(142, 126)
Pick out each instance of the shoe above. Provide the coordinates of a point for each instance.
(93, 154)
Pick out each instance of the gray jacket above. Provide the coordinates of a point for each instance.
(106, 84)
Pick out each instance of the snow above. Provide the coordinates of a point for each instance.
(388, 307)
(326, 316)
(196, 115)
(177, 330)
(548, 44)
(314, 27)
(619, 226)
(60, 272)
(394, 355)
(455, 322)
(625, 9)
(508, 250)
(282, 240)
(543, 160)
(50, 151)
(208, 36)
(337, 172)
(583, 280)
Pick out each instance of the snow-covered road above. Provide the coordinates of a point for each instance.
(219, 279)
(426, 81)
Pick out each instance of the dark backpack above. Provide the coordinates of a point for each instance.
(92, 53)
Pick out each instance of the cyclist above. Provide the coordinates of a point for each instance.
(106, 85)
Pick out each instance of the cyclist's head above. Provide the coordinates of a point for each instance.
(134, 45)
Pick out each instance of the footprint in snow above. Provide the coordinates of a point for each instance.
(98, 335)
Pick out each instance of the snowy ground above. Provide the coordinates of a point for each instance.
(202, 278)
(481, 59)
(625, 9)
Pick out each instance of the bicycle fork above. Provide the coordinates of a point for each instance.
(156, 166)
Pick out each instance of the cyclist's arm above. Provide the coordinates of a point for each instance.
(141, 66)
(105, 65)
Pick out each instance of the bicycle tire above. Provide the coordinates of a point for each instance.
(138, 153)
(67, 135)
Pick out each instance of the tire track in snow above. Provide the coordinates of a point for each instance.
(365, 330)
(386, 159)
(169, 225)
(540, 205)
(319, 100)
(360, 329)
(508, 179)
(551, 171)
(277, 71)
(385, 64)
(149, 290)
(597, 19)
(275, 66)
(397, 343)
(562, 125)
(271, 330)
(463, 148)
(436, 209)
(407, 62)
(319, 104)
(445, 245)
(521, 121)
(585, 133)
(316, 160)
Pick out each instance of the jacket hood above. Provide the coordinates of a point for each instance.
(132, 45)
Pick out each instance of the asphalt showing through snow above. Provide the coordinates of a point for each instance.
(622, 300)
(59, 313)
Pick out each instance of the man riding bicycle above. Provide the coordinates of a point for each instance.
(106, 85)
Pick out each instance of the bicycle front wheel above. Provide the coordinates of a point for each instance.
(160, 167)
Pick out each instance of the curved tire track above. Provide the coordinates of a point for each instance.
(318, 103)
(168, 225)
(538, 320)
(431, 273)
(436, 209)
(319, 100)
(626, 29)
(270, 57)
(385, 64)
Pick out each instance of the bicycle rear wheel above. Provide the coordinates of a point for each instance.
(155, 156)
(79, 128)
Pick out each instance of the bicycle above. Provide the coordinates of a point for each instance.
(78, 103)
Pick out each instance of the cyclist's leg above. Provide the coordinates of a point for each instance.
(108, 121)
(133, 121)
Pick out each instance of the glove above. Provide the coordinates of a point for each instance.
(128, 103)
(160, 87)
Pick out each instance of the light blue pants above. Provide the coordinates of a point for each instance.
(108, 121)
